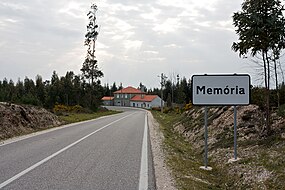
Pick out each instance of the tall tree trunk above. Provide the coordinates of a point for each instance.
(268, 127)
(276, 82)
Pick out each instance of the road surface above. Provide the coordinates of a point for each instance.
(112, 152)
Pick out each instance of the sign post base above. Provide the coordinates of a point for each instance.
(232, 160)
(206, 168)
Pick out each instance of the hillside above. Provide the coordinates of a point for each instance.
(261, 164)
(23, 119)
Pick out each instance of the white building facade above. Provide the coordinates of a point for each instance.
(146, 101)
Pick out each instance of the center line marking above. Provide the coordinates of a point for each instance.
(7, 182)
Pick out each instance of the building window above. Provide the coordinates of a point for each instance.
(118, 95)
(126, 96)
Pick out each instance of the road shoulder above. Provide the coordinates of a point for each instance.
(164, 180)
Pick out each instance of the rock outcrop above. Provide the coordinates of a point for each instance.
(22, 119)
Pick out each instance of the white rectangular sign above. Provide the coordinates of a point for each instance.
(221, 89)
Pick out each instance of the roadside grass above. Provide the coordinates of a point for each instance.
(77, 117)
(184, 161)
(267, 156)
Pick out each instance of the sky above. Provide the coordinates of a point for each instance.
(138, 39)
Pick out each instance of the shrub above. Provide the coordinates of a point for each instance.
(188, 106)
(281, 110)
(177, 110)
(167, 109)
(60, 109)
(156, 108)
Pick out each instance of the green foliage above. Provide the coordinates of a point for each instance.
(258, 97)
(261, 30)
(90, 68)
(31, 100)
(184, 160)
(281, 110)
(188, 106)
(260, 26)
(59, 109)
(67, 90)
(167, 109)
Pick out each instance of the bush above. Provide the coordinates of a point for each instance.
(60, 109)
(188, 106)
(177, 110)
(30, 100)
(167, 109)
(281, 110)
(156, 108)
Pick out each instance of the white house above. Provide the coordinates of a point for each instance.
(122, 97)
(108, 100)
(145, 101)
(132, 97)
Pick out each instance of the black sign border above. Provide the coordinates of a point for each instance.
(221, 75)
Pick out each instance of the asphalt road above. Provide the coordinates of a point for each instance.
(108, 153)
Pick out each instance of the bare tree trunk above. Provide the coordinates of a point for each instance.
(267, 65)
(282, 73)
(276, 82)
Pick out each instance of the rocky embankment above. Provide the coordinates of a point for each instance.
(22, 119)
(261, 164)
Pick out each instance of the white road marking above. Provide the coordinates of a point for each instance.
(143, 183)
(7, 182)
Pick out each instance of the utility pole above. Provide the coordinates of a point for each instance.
(162, 83)
(122, 94)
(172, 86)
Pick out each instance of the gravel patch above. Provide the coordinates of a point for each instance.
(164, 180)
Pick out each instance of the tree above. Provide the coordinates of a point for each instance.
(113, 88)
(40, 89)
(77, 90)
(90, 68)
(142, 87)
(260, 27)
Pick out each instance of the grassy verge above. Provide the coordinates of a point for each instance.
(261, 165)
(77, 117)
(184, 161)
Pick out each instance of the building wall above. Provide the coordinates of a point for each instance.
(156, 102)
(123, 99)
(108, 103)
(148, 105)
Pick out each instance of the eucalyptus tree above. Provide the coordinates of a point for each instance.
(261, 30)
(90, 68)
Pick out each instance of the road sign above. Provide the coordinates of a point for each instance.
(213, 90)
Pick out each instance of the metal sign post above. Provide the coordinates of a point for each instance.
(220, 90)
(235, 132)
(206, 136)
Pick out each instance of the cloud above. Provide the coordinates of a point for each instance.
(138, 39)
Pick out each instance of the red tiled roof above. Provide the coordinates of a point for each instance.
(106, 98)
(144, 98)
(129, 90)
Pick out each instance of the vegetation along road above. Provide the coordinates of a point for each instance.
(111, 152)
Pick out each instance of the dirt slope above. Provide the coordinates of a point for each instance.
(22, 119)
(261, 164)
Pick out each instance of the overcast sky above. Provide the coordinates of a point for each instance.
(138, 39)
